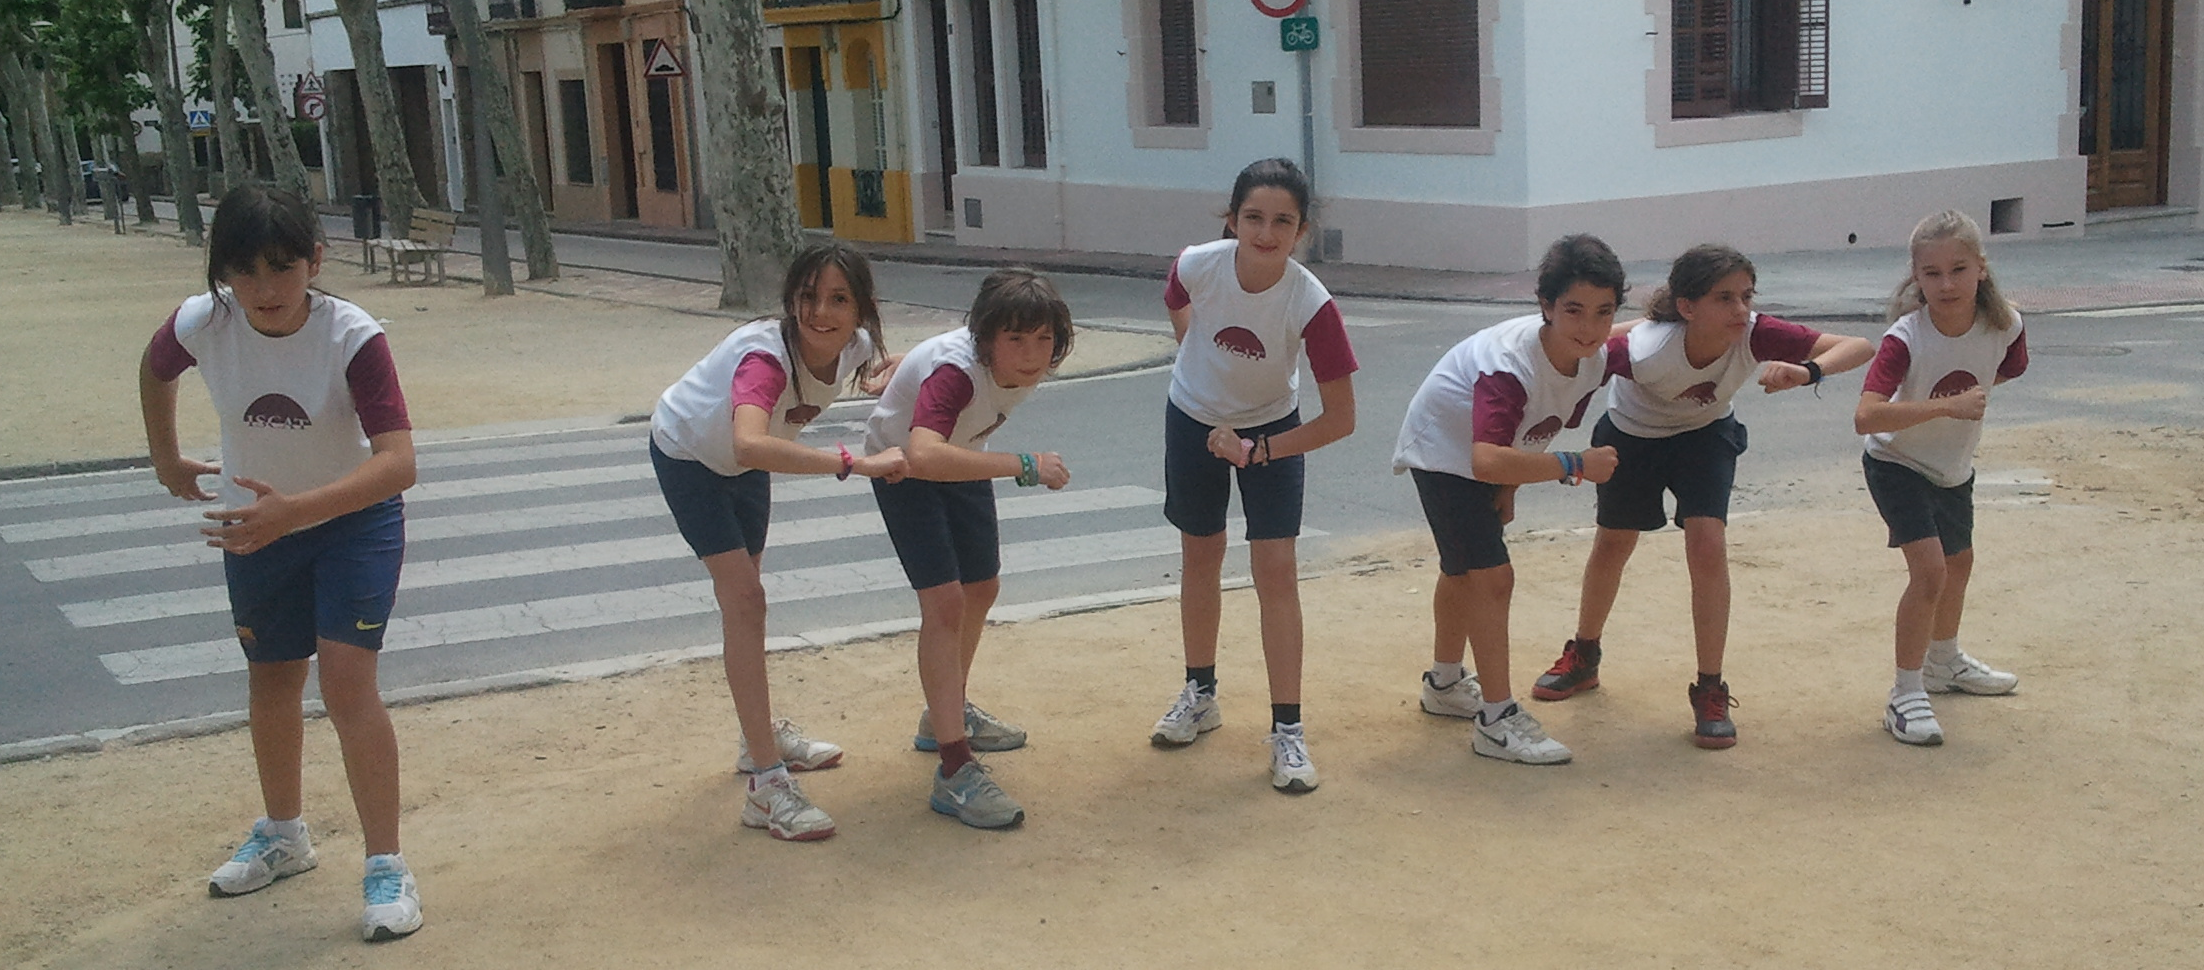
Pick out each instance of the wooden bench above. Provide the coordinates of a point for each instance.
(429, 238)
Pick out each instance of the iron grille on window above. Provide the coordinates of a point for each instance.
(1419, 63)
(1729, 56)
(871, 186)
(1178, 62)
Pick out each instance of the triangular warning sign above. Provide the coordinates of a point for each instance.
(661, 62)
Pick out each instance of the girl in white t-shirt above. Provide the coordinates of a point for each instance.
(316, 448)
(1478, 429)
(717, 437)
(1244, 311)
(950, 394)
(1670, 420)
(1952, 336)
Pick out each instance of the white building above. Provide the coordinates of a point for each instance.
(1467, 134)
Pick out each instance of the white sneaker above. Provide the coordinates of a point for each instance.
(1290, 770)
(779, 807)
(261, 860)
(393, 900)
(1966, 675)
(799, 753)
(1460, 700)
(1517, 736)
(986, 731)
(1194, 714)
(1910, 719)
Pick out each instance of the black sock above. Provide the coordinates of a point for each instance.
(1204, 678)
(1710, 680)
(1285, 713)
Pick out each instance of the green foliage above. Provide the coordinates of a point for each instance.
(95, 55)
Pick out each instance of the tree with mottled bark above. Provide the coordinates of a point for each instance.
(11, 193)
(751, 181)
(251, 21)
(22, 132)
(150, 17)
(519, 180)
(386, 133)
(229, 133)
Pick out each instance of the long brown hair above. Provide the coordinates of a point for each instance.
(803, 275)
(1693, 275)
(1989, 302)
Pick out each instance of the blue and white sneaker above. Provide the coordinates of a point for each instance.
(264, 858)
(393, 900)
(972, 797)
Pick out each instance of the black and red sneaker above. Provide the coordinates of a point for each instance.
(1710, 707)
(1576, 672)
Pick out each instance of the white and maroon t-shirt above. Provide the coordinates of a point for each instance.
(1662, 395)
(1499, 388)
(1240, 364)
(941, 386)
(1916, 362)
(296, 410)
(695, 418)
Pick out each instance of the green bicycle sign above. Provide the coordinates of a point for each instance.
(1298, 34)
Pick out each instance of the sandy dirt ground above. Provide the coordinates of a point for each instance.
(595, 824)
(82, 302)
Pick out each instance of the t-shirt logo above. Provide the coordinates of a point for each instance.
(1543, 430)
(276, 411)
(1241, 342)
(801, 414)
(1954, 384)
(1701, 394)
(990, 429)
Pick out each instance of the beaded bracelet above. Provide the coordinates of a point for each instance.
(1029, 470)
(1572, 467)
(848, 464)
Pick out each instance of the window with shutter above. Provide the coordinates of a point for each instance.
(1032, 110)
(1419, 63)
(1177, 63)
(1729, 56)
(988, 147)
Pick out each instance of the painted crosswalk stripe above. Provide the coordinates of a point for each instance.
(141, 485)
(650, 603)
(591, 555)
(418, 529)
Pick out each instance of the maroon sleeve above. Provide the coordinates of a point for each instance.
(1496, 411)
(373, 378)
(759, 381)
(1618, 358)
(1324, 339)
(942, 399)
(168, 356)
(1774, 339)
(2016, 358)
(1888, 370)
(1175, 296)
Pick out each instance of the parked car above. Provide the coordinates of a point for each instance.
(91, 171)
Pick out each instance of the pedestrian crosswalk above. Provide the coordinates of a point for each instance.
(511, 542)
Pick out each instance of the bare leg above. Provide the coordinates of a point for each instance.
(978, 599)
(1949, 607)
(364, 734)
(1201, 597)
(279, 733)
(1918, 605)
(1278, 592)
(1611, 549)
(741, 595)
(1706, 555)
(1489, 592)
(941, 613)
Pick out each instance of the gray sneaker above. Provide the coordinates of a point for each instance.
(972, 796)
(986, 731)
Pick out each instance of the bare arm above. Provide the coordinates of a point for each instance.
(755, 447)
(934, 459)
(1878, 414)
(157, 399)
(388, 470)
(1181, 318)
(1507, 466)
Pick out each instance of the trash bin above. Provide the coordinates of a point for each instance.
(367, 217)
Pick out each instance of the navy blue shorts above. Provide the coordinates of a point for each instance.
(944, 532)
(1915, 508)
(716, 513)
(1698, 467)
(1464, 519)
(335, 581)
(1197, 486)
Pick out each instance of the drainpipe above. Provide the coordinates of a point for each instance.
(1056, 115)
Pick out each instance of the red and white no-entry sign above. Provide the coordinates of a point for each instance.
(1279, 8)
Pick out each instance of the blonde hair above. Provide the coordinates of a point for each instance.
(1990, 303)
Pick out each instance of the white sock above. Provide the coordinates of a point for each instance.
(1909, 682)
(777, 773)
(1492, 711)
(1444, 676)
(1945, 652)
(397, 861)
(288, 828)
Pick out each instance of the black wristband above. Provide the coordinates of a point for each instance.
(1813, 372)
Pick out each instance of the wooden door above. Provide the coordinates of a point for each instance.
(2126, 53)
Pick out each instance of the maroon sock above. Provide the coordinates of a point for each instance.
(955, 755)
